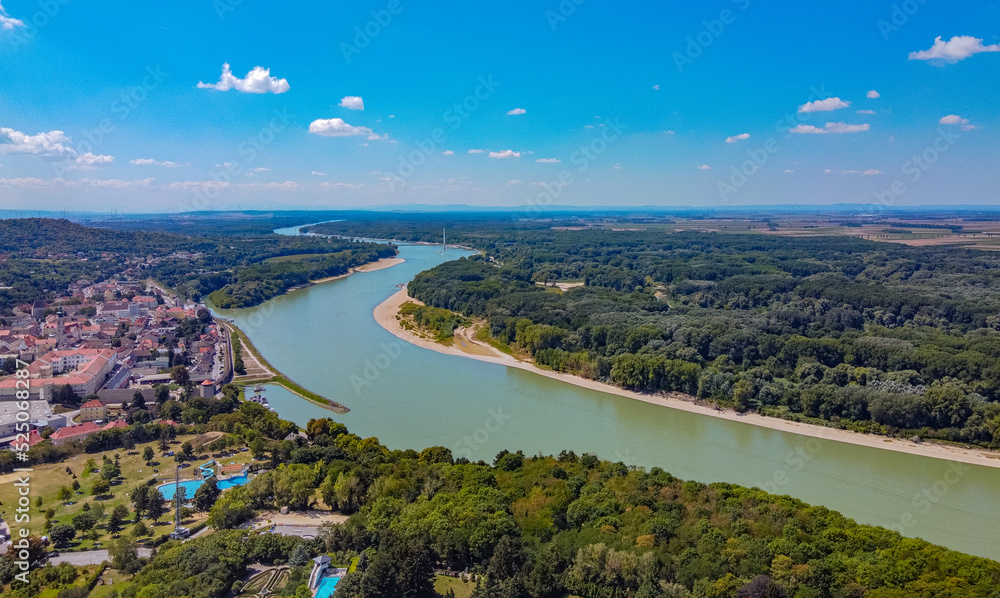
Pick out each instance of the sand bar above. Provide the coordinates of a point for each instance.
(382, 264)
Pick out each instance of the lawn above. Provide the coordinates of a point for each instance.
(462, 589)
(116, 577)
(47, 479)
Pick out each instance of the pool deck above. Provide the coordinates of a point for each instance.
(185, 480)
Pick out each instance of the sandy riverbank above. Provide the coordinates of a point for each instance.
(386, 312)
(382, 264)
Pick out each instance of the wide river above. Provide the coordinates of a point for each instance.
(325, 338)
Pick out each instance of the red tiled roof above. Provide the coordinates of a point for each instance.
(92, 403)
(70, 432)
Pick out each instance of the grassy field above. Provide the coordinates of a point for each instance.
(462, 589)
(102, 590)
(47, 480)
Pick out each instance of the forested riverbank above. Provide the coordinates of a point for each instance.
(872, 337)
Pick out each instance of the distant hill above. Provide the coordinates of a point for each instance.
(29, 237)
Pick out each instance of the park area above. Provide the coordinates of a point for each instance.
(77, 492)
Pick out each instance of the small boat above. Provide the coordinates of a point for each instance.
(258, 388)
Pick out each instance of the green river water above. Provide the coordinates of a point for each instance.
(326, 339)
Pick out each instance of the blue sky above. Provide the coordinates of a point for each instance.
(623, 103)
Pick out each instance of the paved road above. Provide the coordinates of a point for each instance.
(89, 557)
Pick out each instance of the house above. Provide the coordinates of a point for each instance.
(93, 411)
(74, 432)
(82, 431)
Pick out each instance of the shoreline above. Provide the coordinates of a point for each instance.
(385, 314)
(381, 264)
(275, 376)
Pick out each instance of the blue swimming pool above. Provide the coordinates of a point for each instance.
(326, 587)
(169, 490)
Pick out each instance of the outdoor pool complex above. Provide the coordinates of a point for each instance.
(326, 587)
(169, 490)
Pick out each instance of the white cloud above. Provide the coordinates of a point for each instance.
(62, 183)
(954, 119)
(866, 112)
(258, 80)
(285, 186)
(548, 160)
(316, 173)
(197, 185)
(670, 132)
(617, 166)
(789, 171)
(831, 128)
(656, 87)
(505, 154)
(514, 182)
(704, 167)
(54, 144)
(117, 183)
(477, 151)
(826, 105)
(25, 182)
(152, 162)
(739, 137)
(90, 161)
(516, 112)
(351, 186)
(352, 103)
(7, 22)
(254, 171)
(869, 172)
(448, 153)
(336, 127)
(957, 48)
(873, 95)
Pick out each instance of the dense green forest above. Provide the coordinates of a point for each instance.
(42, 237)
(257, 283)
(543, 527)
(44, 256)
(875, 337)
(526, 526)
